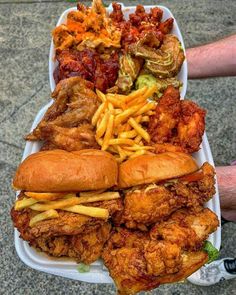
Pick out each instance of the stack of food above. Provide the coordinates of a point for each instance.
(115, 177)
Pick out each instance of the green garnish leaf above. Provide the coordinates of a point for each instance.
(212, 252)
(83, 267)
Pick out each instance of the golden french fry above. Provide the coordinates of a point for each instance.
(138, 147)
(49, 214)
(45, 196)
(99, 141)
(128, 134)
(102, 127)
(137, 100)
(127, 127)
(136, 93)
(24, 203)
(138, 119)
(138, 153)
(108, 133)
(126, 114)
(147, 107)
(59, 204)
(91, 193)
(139, 129)
(145, 119)
(110, 108)
(137, 139)
(150, 113)
(121, 141)
(101, 95)
(89, 211)
(121, 152)
(116, 102)
(150, 91)
(113, 149)
(117, 111)
(98, 113)
(99, 197)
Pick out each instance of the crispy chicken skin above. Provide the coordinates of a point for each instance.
(146, 206)
(187, 229)
(67, 122)
(85, 247)
(177, 125)
(137, 263)
(67, 223)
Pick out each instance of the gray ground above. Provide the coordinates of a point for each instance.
(24, 46)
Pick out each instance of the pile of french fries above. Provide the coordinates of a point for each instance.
(119, 122)
(48, 203)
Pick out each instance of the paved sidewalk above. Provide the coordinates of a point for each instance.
(25, 28)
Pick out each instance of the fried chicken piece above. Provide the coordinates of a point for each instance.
(178, 125)
(69, 139)
(67, 223)
(146, 206)
(187, 229)
(191, 126)
(85, 247)
(139, 264)
(74, 104)
(167, 113)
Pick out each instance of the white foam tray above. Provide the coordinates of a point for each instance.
(98, 273)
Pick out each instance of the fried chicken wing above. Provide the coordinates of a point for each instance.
(162, 124)
(69, 139)
(140, 264)
(146, 206)
(191, 126)
(67, 122)
(187, 229)
(177, 125)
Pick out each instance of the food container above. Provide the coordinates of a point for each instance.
(98, 273)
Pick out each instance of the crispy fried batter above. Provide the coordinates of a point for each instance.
(187, 229)
(145, 206)
(85, 247)
(178, 125)
(67, 224)
(138, 264)
(66, 124)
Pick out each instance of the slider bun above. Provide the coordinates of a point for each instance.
(62, 171)
(154, 168)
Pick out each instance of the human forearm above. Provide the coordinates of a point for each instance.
(216, 59)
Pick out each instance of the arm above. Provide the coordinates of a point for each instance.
(216, 59)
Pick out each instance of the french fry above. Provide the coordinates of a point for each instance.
(147, 107)
(126, 114)
(101, 95)
(91, 193)
(121, 141)
(138, 153)
(102, 127)
(150, 113)
(136, 93)
(139, 129)
(49, 214)
(137, 148)
(45, 196)
(145, 119)
(150, 91)
(24, 203)
(138, 139)
(128, 134)
(98, 113)
(108, 133)
(59, 204)
(121, 152)
(99, 197)
(115, 102)
(89, 211)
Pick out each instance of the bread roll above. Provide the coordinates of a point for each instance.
(62, 171)
(154, 168)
